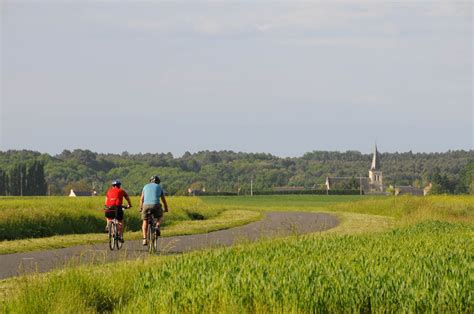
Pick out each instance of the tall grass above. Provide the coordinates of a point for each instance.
(34, 217)
(423, 264)
(409, 209)
(225, 220)
(406, 208)
(419, 268)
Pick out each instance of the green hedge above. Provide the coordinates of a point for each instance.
(272, 192)
(309, 192)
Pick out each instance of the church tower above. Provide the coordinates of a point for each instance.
(375, 173)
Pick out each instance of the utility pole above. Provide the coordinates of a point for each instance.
(360, 184)
(238, 185)
(251, 185)
(21, 182)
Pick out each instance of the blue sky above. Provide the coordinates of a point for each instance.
(254, 76)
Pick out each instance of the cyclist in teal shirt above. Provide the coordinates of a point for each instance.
(150, 204)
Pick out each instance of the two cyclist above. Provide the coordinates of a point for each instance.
(150, 204)
(114, 205)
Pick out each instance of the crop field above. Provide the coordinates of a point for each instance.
(408, 254)
(33, 223)
(36, 217)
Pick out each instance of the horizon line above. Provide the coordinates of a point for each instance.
(235, 151)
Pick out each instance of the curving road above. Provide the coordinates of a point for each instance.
(274, 224)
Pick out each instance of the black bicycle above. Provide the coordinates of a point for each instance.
(153, 233)
(113, 231)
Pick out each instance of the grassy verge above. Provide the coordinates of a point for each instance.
(405, 209)
(38, 217)
(224, 220)
(423, 267)
(354, 223)
(418, 260)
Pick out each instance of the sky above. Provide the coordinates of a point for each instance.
(283, 77)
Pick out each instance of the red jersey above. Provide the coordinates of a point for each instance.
(115, 196)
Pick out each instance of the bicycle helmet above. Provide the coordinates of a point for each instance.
(155, 179)
(116, 183)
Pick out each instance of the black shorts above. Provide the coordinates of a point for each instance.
(110, 212)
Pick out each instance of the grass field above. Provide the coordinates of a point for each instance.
(36, 223)
(389, 254)
(36, 217)
(409, 209)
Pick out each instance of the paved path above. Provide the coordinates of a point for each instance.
(275, 224)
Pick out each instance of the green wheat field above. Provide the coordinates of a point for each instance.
(388, 254)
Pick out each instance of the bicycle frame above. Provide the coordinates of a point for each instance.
(114, 238)
(152, 238)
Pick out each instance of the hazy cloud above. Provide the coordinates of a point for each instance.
(252, 76)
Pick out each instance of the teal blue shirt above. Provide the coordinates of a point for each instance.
(152, 193)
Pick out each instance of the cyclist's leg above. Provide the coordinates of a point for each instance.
(159, 215)
(120, 221)
(120, 228)
(109, 215)
(106, 225)
(144, 228)
(144, 217)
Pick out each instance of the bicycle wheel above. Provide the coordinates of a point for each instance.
(155, 240)
(118, 244)
(150, 237)
(111, 235)
(115, 235)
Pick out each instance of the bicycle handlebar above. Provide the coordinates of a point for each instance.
(106, 208)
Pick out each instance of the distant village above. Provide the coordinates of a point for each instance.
(371, 185)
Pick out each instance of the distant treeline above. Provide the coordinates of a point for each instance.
(23, 178)
(32, 173)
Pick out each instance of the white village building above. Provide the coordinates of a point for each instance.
(371, 185)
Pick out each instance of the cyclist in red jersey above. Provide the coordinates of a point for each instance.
(113, 204)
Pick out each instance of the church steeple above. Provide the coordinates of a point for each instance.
(375, 160)
(375, 172)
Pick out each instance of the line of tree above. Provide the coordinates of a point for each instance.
(444, 184)
(228, 171)
(23, 178)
